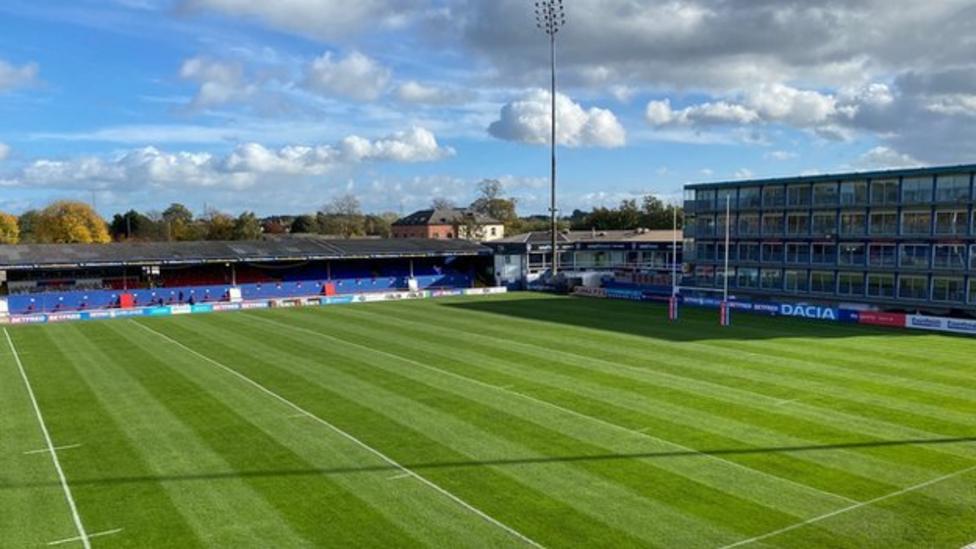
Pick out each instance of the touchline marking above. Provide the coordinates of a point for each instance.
(813, 520)
(556, 407)
(82, 535)
(45, 450)
(90, 536)
(349, 437)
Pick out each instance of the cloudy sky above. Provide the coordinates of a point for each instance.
(279, 106)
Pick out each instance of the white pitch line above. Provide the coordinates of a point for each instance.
(444, 492)
(82, 535)
(90, 536)
(813, 520)
(397, 477)
(561, 408)
(296, 416)
(45, 450)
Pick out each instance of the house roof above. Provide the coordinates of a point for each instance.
(444, 216)
(632, 235)
(280, 248)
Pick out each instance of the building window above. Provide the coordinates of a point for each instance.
(749, 224)
(798, 253)
(882, 255)
(916, 190)
(822, 282)
(824, 223)
(798, 195)
(915, 255)
(948, 289)
(881, 285)
(972, 257)
(705, 199)
(749, 197)
(950, 256)
(771, 279)
(772, 253)
(972, 290)
(825, 194)
(494, 231)
(884, 191)
(796, 281)
(774, 197)
(853, 224)
(721, 227)
(705, 251)
(852, 254)
(824, 254)
(773, 224)
(913, 287)
(952, 188)
(705, 276)
(747, 277)
(853, 193)
(798, 224)
(951, 222)
(850, 284)
(725, 197)
(916, 223)
(706, 226)
(884, 223)
(749, 251)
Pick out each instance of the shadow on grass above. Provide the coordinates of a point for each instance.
(650, 319)
(7, 485)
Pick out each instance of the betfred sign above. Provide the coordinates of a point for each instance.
(894, 320)
(808, 311)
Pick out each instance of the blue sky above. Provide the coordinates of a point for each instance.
(280, 106)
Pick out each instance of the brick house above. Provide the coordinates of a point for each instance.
(448, 223)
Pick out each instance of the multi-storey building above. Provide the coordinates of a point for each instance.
(899, 239)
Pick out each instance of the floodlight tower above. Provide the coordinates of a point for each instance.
(550, 16)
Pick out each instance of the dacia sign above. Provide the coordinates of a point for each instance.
(808, 311)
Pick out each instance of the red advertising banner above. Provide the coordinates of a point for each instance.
(897, 320)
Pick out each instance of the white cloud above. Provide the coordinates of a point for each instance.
(415, 92)
(528, 119)
(660, 113)
(4, 151)
(247, 165)
(780, 155)
(882, 157)
(355, 76)
(12, 76)
(743, 173)
(220, 82)
(328, 19)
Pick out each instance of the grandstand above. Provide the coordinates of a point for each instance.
(72, 277)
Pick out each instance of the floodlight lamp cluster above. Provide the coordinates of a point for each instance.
(550, 16)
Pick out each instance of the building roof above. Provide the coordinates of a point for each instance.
(823, 178)
(631, 235)
(444, 216)
(279, 248)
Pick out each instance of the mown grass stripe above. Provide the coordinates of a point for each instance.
(554, 376)
(374, 451)
(616, 506)
(750, 475)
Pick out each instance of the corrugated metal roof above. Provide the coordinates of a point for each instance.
(305, 248)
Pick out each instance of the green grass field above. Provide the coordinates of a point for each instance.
(503, 421)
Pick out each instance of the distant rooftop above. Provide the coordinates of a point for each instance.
(631, 235)
(445, 216)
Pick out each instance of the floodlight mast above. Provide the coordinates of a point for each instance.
(550, 16)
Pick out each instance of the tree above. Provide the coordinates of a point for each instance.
(179, 223)
(491, 203)
(27, 222)
(342, 217)
(441, 203)
(247, 227)
(219, 226)
(378, 225)
(304, 224)
(66, 222)
(132, 225)
(9, 230)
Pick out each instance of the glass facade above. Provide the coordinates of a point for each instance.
(899, 235)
